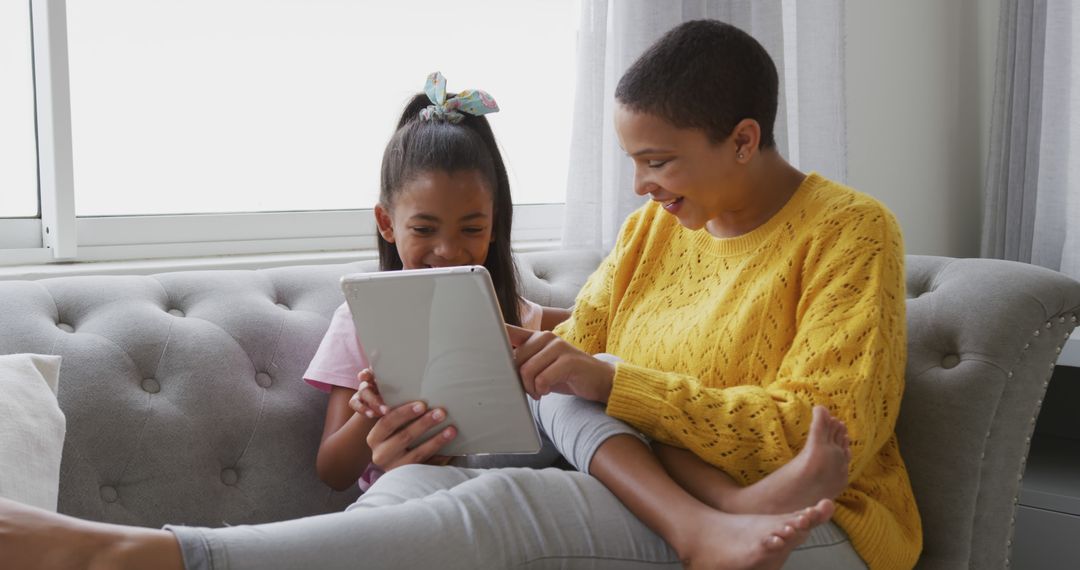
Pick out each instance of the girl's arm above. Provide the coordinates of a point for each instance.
(343, 452)
(553, 316)
(352, 439)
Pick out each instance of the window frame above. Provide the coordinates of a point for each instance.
(58, 235)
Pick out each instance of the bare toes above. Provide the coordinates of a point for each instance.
(823, 510)
(773, 542)
(785, 532)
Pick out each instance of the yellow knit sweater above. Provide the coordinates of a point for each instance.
(729, 343)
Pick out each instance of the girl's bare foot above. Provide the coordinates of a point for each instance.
(33, 538)
(738, 542)
(819, 471)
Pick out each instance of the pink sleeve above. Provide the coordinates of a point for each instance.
(339, 357)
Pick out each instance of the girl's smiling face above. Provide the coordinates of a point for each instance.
(440, 219)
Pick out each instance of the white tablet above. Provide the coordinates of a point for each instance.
(437, 335)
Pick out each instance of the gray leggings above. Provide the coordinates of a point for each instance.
(450, 517)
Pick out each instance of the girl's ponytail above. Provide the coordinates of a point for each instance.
(435, 135)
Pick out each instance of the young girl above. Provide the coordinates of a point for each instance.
(444, 201)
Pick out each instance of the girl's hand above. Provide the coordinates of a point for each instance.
(393, 434)
(549, 364)
(367, 400)
(397, 429)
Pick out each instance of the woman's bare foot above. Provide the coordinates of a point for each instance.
(737, 542)
(819, 471)
(33, 538)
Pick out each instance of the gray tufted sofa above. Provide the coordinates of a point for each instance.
(184, 401)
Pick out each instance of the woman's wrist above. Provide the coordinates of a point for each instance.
(608, 381)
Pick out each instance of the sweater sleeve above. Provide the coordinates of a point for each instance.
(587, 327)
(588, 323)
(848, 353)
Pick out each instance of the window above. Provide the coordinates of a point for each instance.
(18, 159)
(203, 106)
(211, 127)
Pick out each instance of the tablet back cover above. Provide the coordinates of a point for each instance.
(437, 335)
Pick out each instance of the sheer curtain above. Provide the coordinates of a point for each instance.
(1033, 172)
(807, 45)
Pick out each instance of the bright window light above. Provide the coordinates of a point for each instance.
(199, 106)
(18, 150)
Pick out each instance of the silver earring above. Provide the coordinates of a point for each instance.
(739, 156)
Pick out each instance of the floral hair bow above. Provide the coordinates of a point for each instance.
(472, 101)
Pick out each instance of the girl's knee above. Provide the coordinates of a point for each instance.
(430, 478)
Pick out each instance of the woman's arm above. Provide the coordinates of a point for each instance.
(343, 451)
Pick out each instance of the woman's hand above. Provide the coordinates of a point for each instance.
(549, 364)
(398, 429)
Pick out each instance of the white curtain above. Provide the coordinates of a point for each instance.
(1033, 173)
(807, 45)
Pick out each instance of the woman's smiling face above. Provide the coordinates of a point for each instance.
(691, 176)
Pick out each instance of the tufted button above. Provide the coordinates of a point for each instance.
(176, 312)
(151, 385)
(109, 494)
(65, 327)
(950, 361)
(283, 306)
(263, 379)
(229, 476)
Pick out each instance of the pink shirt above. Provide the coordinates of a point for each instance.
(339, 359)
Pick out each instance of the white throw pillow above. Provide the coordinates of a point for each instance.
(32, 429)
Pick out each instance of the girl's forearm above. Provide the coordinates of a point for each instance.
(553, 316)
(345, 454)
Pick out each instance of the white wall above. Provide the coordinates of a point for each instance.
(920, 88)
